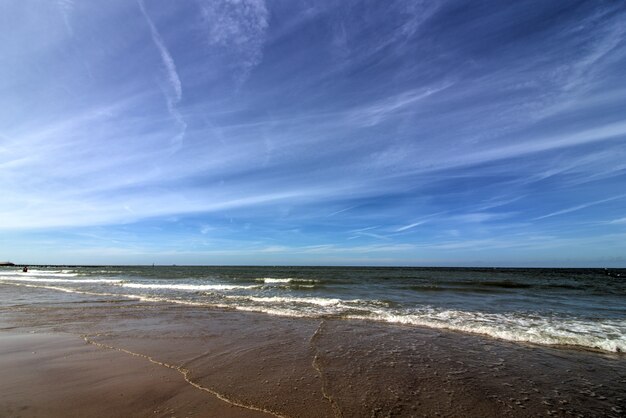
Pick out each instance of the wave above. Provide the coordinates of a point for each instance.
(39, 273)
(272, 280)
(433, 288)
(277, 311)
(141, 298)
(509, 287)
(304, 306)
(294, 299)
(507, 284)
(606, 335)
(54, 280)
(185, 287)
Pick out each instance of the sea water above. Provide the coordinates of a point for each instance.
(584, 308)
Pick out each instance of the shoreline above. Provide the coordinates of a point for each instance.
(294, 367)
(223, 308)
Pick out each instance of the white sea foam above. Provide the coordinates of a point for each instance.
(270, 280)
(141, 298)
(145, 298)
(288, 300)
(293, 299)
(185, 287)
(607, 335)
(54, 280)
(276, 312)
(273, 280)
(38, 273)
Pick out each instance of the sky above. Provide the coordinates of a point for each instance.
(313, 132)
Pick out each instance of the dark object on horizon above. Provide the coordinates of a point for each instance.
(25, 269)
(6, 263)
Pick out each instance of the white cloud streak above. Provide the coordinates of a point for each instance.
(166, 57)
(608, 132)
(579, 207)
(606, 42)
(377, 112)
(410, 226)
(173, 78)
(340, 211)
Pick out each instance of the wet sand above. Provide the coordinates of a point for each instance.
(57, 375)
(80, 355)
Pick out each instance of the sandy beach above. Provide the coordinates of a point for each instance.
(312, 209)
(58, 375)
(90, 355)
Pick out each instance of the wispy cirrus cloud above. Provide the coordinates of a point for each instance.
(579, 207)
(533, 145)
(239, 28)
(66, 7)
(176, 91)
(337, 212)
(410, 226)
(166, 57)
(311, 125)
(375, 113)
(602, 47)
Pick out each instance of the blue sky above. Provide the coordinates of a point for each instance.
(313, 132)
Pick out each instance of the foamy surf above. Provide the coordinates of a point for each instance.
(608, 335)
(545, 307)
(56, 280)
(269, 280)
(272, 280)
(37, 273)
(310, 301)
(185, 287)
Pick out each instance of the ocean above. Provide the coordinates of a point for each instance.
(580, 308)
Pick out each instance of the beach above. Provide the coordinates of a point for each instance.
(312, 209)
(58, 375)
(75, 354)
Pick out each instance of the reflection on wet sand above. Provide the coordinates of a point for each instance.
(275, 366)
